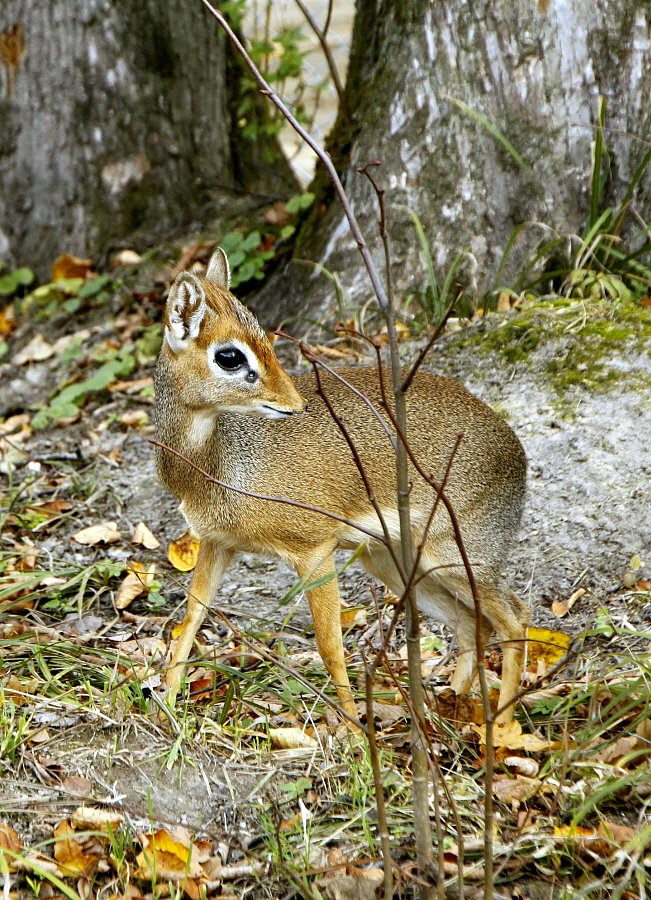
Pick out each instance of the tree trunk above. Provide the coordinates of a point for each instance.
(535, 72)
(115, 125)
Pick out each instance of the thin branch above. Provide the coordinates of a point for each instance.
(383, 827)
(309, 355)
(378, 287)
(231, 487)
(327, 52)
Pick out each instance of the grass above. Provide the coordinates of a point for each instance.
(310, 813)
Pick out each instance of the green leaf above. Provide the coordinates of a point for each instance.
(90, 288)
(299, 202)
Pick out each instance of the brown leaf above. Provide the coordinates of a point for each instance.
(515, 791)
(10, 843)
(106, 532)
(70, 267)
(70, 854)
(562, 607)
(183, 552)
(135, 418)
(142, 535)
(125, 258)
(512, 737)
(77, 785)
(136, 582)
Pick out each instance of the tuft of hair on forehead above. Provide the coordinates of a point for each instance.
(225, 304)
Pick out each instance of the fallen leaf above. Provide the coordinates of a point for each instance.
(7, 321)
(512, 737)
(291, 739)
(9, 843)
(142, 535)
(106, 532)
(562, 607)
(70, 854)
(515, 791)
(77, 785)
(545, 645)
(93, 817)
(522, 764)
(67, 266)
(37, 350)
(169, 855)
(136, 582)
(183, 552)
(125, 258)
(131, 387)
(135, 418)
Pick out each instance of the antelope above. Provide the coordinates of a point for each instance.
(225, 404)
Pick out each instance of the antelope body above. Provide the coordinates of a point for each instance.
(225, 403)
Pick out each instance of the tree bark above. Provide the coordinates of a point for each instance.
(533, 70)
(115, 125)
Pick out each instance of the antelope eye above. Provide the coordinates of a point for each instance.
(230, 358)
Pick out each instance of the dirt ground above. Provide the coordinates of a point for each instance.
(588, 513)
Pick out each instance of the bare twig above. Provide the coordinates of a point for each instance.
(383, 827)
(321, 36)
(231, 487)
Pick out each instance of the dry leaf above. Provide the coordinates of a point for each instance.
(7, 321)
(515, 791)
(131, 387)
(136, 582)
(512, 737)
(77, 785)
(106, 532)
(170, 855)
(183, 552)
(37, 350)
(562, 607)
(95, 818)
(547, 646)
(135, 418)
(70, 854)
(70, 267)
(9, 843)
(291, 739)
(142, 535)
(523, 764)
(125, 258)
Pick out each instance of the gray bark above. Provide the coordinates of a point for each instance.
(534, 70)
(114, 125)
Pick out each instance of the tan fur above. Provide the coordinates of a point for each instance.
(303, 457)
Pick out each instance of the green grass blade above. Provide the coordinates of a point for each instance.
(596, 180)
(504, 141)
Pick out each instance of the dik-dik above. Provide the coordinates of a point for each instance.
(225, 403)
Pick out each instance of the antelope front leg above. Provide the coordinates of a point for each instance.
(325, 606)
(207, 576)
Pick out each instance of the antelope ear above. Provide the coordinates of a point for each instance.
(186, 307)
(218, 272)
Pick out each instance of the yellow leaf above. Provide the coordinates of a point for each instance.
(106, 532)
(142, 535)
(70, 267)
(512, 737)
(183, 552)
(548, 646)
(70, 854)
(171, 855)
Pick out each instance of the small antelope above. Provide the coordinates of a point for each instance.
(225, 403)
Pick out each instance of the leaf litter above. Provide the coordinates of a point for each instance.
(194, 803)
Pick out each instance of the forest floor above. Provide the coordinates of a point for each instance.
(252, 787)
